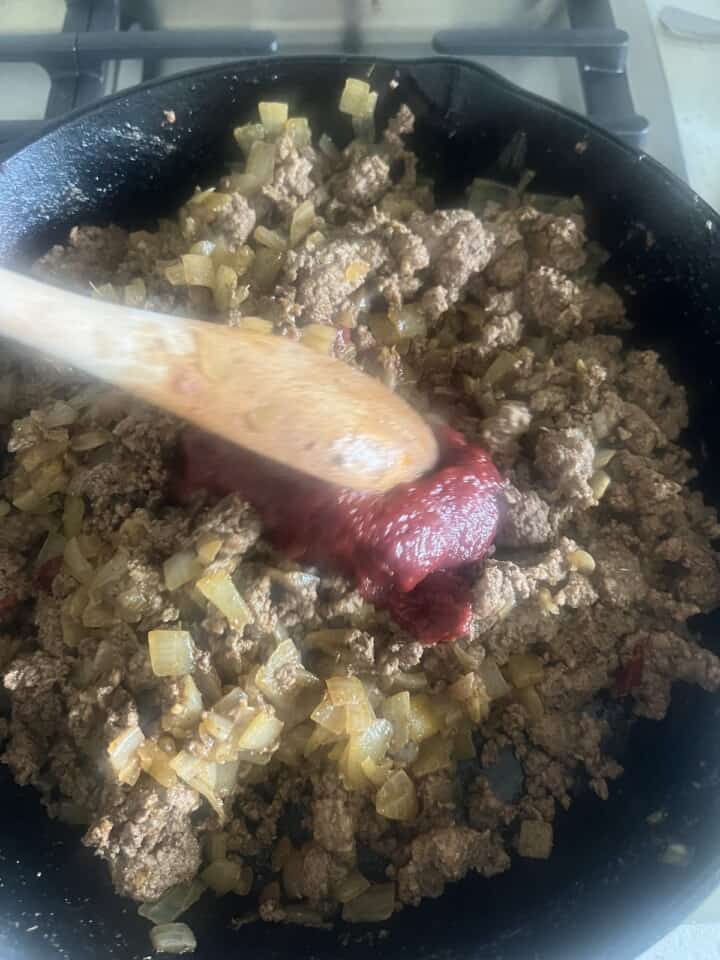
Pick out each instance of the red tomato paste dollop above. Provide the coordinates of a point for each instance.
(405, 548)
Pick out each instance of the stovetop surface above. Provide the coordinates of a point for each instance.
(590, 55)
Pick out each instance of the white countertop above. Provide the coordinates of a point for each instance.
(692, 69)
(693, 72)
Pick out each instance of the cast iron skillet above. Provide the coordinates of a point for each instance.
(604, 893)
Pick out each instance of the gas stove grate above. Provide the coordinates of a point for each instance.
(76, 58)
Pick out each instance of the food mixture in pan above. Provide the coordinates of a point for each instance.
(227, 712)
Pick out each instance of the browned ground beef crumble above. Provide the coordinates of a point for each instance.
(603, 554)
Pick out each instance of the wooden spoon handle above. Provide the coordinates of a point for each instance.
(267, 393)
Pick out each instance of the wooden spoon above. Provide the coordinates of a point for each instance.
(267, 393)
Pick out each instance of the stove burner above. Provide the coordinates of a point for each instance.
(94, 35)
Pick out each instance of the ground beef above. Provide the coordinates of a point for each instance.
(292, 181)
(527, 519)
(324, 279)
(447, 854)
(602, 554)
(146, 837)
(458, 245)
(234, 222)
(363, 183)
(333, 816)
(552, 301)
(564, 459)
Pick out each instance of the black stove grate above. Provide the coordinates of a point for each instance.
(94, 34)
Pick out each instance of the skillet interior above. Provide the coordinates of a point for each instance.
(603, 894)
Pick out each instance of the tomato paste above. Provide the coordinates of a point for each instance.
(405, 549)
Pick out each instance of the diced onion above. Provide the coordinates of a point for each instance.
(344, 690)
(172, 652)
(495, 684)
(207, 549)
(205, 248)
(266, 267)
(180, 569)
(425, 720)
(320, 737)
(201, 196)
(399, 323)
(49, 478)
(53, 546)
(599, 482)
(123, 754)
(531, 701)
(397, 710)
(357, 99)
(232, 703)
(60, 414)
(187, 710)
(372, 743)
(73, 516)
(373, 906)
(270, 238)
(243, 183)
(524, 670)
(546, 602)
(261, 161)
(156, 763)
(41, 453)
(464, 745)
(219, 589)
(299, 130)
(351, 886)
(222, 876)
(273, 116)
(175, 274)
(396, 799)
(216, 846)
(358, 717)
(535, 840)
(302, 220)
(470, 691)
(377, 773)
(503, 364)
(284, 661)
(261, 733)
(90, 440)
(32, 502)
(76, 562)
(225, 285)
(173, 903)
(330, 717)
(410, 681)
(227, 776)
(173, 938)
(582, 561)
(248, 134)
(200, 775)
(217, 726)
(199, 270)
(603, 456)
(435, 754)
(115, 568)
